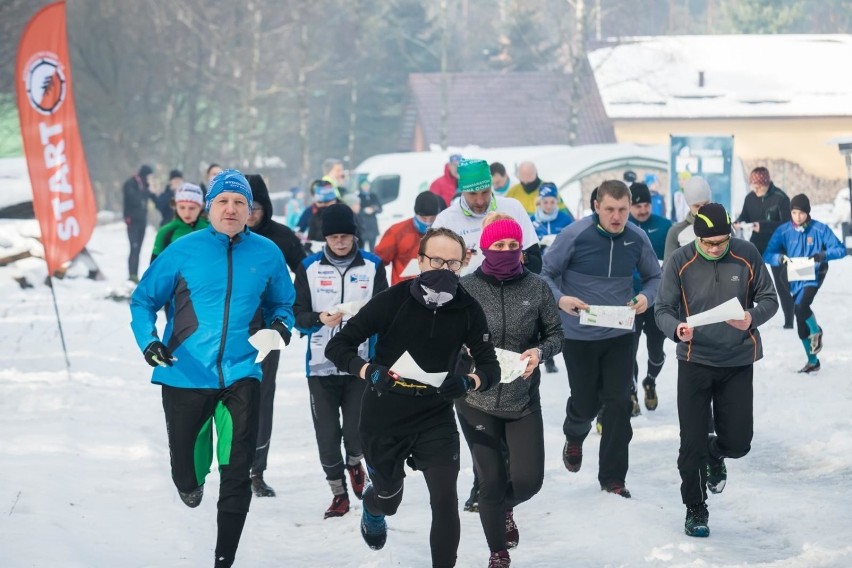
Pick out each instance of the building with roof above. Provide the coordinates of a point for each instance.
(782, 97)
(501, 109)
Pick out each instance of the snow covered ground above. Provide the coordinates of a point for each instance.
(84, 465)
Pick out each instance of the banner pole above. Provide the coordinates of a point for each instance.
(59, 324)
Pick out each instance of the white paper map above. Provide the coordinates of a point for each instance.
(411, 269)
(730, 310)
(511, 364)
(348, 308)
(266, 340)
(408, 368)
(800, 268)
(619, 317)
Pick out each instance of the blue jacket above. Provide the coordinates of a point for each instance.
(542, 228)
(804, 241)
(217, 292)
(597, 267)
(656, 228)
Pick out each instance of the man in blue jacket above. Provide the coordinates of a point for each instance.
(591, 262)
(805, 237)
(219, 286)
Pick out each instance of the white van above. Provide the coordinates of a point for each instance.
(396, 179)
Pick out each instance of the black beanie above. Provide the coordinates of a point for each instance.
(639, 193)
(802, 203)
(145, 170)
(338, 219)
(712, 221)
(426, 204)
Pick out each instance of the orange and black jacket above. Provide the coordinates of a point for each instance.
(692, 283)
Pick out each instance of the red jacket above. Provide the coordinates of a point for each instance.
(398, 246)
(445, 186)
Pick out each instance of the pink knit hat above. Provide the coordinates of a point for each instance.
(499, 230)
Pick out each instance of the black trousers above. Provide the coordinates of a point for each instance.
(190, 417)
(600, 372)
(803, 300)
(435, 452)
(654, 341)
(269, 366)
(486, 435)
(730, 391)
(135, 234)
(782, 286)
(332, 396)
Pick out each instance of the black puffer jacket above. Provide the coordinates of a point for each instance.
(521, 314)
(281, 235)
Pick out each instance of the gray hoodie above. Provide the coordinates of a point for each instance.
(693, 284)
(521, 314)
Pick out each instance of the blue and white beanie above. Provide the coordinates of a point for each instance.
(229, 180)
(548, 189)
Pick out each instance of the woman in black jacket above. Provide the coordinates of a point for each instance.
(523, 318)
(405, 420)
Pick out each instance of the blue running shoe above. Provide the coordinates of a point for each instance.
(374, 529)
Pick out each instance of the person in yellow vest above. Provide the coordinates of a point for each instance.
(526, 191)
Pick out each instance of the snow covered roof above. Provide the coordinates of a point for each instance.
(744, 76)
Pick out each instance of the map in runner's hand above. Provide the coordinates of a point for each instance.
(619, 317)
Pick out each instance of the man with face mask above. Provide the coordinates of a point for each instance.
(715, 361)
(464, 217)
(404, 420)
(400, 243)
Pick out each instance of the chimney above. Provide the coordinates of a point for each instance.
(701, 78)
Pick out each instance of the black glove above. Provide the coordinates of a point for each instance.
(282, 330)
(455, 386)
(157, 354)
(818, 257)
(380, 377)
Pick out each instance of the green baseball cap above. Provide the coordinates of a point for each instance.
(474, 175)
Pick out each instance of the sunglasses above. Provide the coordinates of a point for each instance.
(707, 243)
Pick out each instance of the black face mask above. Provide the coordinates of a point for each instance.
(434, 288)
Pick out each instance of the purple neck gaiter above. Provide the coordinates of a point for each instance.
(503, 264)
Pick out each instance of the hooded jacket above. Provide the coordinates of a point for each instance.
(433, 338)
(521, 314)
(136, 195)
(284, 238)
(218, 291)
(692, 284)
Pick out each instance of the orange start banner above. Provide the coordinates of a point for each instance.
(62, 194)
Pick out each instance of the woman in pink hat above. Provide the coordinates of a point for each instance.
(503, 425)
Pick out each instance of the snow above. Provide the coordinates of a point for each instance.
(84, 465)
(14, 182)
(768, 75)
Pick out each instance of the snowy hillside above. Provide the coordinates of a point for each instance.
(84, 465)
